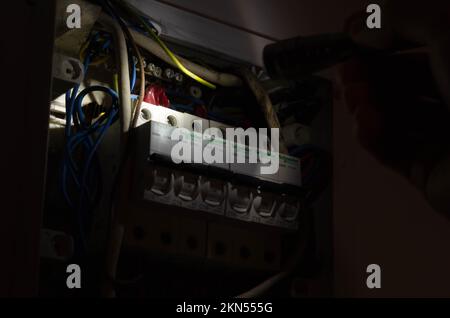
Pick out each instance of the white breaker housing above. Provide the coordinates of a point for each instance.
(235, 190)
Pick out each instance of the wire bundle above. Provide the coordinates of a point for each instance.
(81, 173)
(145, 23)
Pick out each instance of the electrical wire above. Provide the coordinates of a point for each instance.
(101, 59)
(137, 52)
(115, 230)
(175, 59)
(133, 74)
(264, 103)
(123, 76)
(84, 141)
(152, 32)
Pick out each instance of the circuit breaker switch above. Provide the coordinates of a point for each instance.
(289, 209)
(160, 181)
(213, 192)
(187, 186)
(240, 199)
(264, 204)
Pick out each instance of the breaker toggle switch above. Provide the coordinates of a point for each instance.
(264, 204)
(289, 209)
(186, 187)
(240, 199)
(213, 192)
(161, 181)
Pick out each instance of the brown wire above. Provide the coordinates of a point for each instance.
(137, 109)
(264, 103)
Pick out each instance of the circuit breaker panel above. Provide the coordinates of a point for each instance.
(220, 200)
(168, 157)
(235, 190)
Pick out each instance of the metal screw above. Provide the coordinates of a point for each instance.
(169, 73)
(158, 71)
(179, 77)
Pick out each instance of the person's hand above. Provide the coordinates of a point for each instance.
(401, 101)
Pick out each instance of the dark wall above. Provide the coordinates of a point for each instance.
(27, 42)
(378, 217)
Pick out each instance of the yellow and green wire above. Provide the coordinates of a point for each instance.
(172, 56)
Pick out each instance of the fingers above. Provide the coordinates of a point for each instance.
(367, 118)
(358, 99)
(353, 82)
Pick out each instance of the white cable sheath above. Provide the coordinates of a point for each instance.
(124, 75)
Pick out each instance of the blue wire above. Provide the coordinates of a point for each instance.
(133, 75)
(82, 95)
(73, 105)
(71, 145)
(85, 137)
(93, 151)
(78, 138)
(103, 128)
(70, 98)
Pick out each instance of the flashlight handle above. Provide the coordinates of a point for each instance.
(302, 56)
